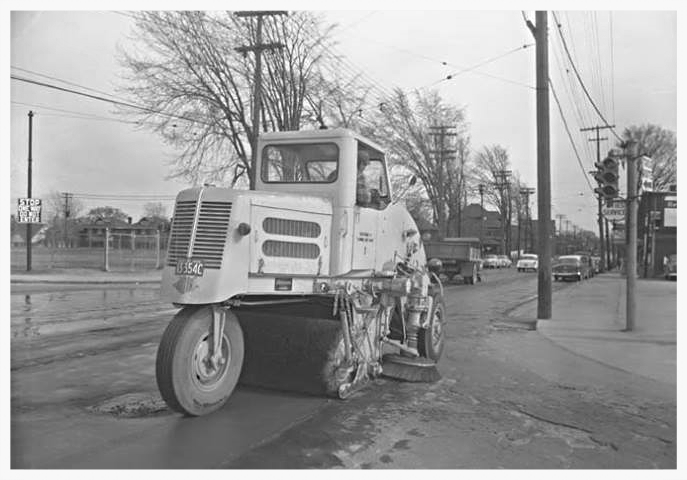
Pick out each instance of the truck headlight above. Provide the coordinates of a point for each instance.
(243, 229)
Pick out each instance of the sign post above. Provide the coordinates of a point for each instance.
(28, 226)
(29, 212)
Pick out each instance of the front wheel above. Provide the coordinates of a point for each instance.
(430, 341)
(189, 381)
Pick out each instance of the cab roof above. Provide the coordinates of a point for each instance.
(324, 134)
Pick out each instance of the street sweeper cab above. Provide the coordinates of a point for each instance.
(315, 281)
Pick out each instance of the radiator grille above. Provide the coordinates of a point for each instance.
(291, 228)
(275, 248)
(211, 232)
(182, 227)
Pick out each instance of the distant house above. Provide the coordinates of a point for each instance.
(18, 233)
(141, 234)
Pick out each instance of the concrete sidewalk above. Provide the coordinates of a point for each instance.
(589, 320)
(84, 276)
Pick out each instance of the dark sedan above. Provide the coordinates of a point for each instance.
(573, 267)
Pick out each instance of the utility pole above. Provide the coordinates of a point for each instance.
(481, 212)
(540, 32)
(441, 132)
(257, 79)
(526, 192)
(67, 198)
(502, 182)
(611, 252)
(600, 218)
(631, 236)
(28, 225)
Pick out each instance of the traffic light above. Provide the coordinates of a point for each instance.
(607, 176)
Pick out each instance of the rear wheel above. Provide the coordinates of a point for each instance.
(430, 342)
(188, 380)
(472, 278)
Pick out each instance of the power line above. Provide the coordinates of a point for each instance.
(485, 62)
(103, 99)
(66, 82)
(356, 22)
(584, 88)
(77, 114)
(569, 87)
(565, 123)
(610, 21)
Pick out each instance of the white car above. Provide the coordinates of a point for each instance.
(491, 261)
(528, 261)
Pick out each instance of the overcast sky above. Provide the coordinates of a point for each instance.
(626, 59)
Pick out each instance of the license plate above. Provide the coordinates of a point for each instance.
(190, 267)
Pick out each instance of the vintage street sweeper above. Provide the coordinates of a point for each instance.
(315, 282)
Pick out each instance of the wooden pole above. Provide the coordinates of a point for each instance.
(543, 167)
(28, 225)
(631, 239)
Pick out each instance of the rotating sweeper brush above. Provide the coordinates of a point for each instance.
(314, 282)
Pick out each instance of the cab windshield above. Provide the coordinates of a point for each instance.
(300, 163)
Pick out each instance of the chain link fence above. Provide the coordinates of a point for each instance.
(121, 252)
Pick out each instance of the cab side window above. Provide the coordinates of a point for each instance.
(371, 187)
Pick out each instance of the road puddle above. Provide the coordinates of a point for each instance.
(36, 314)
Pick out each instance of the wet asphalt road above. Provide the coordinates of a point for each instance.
(84, 396)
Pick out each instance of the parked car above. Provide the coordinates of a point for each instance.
(505, 262)
(527, 262)
(575, 267)
(491, 261)
(670, 267)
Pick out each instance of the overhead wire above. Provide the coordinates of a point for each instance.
(486, 62)
(598, 61)
(573, 99)
(104, 99)
(76, 114)
(579, 78)
(567, 129)
(66, 82)
(610, 22)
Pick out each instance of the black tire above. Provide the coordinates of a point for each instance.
(185, 381)
(430, 341)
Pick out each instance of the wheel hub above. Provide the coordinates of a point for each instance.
(208, 371)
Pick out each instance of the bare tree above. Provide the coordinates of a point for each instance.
(196, 90)
(490, 163)
(661, 145)
(155, 210)
(403, 127)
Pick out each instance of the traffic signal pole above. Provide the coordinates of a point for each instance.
(598, 140)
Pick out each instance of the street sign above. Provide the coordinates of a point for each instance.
(616, 211)
(29, 210)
